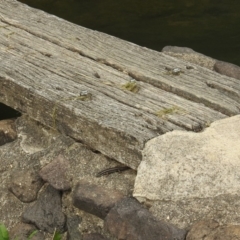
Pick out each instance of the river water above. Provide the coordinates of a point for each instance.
(208, 26)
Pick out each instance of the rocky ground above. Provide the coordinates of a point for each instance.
(51, 182)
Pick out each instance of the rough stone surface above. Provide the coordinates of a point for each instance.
(211, 230)
(176, 49)
(55, 173)
(35, 147)
(95, 199)
(189, 165)
(46, 212)
(193, 174)
(22, 231)
(7, 131)
(93, 236)
(182, 213)
(25, 185)
(73, 228)
(189, 55)
(228, 69)
(128, 220)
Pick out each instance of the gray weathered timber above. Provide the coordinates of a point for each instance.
(46, 63)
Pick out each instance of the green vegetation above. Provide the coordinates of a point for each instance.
(84, 96)
(167, 111)
(32, 234)
(131, 86)
(56, 236)
(4, 235)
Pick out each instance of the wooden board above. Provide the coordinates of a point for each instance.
(48, 64)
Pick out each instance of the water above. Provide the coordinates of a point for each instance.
(208, 26)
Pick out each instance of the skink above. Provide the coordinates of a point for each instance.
(112, 170)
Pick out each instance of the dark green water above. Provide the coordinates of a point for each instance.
(208, 26)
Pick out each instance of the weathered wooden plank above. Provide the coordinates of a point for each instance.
(43, 73)
(144, 64)
(112, 86)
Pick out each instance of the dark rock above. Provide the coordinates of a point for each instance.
(55, 173)
(73, 228)
(93, 236)
(95, 199)
(176, 49)
(189, 55)
(128, 220)
(46, 212)
(7, 131)
(227, 69)
(211, 230)
(22, 231)
(201, 229)
(25, 185)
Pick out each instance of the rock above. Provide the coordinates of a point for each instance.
(211, 230)
(227, 69)
(93, 236)
(25, 185)
(201, 229)
(189, 164)
(37, 146)
(46, 212)
(35, 137)
(193, 174)
(7, 131)
(175, 49)
(22, 231)
(95, 199)
(189, 55)
(128, 220)
(73, 228)
(55, 173)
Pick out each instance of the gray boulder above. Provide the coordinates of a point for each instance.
(188, 176)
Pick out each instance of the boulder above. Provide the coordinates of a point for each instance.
(55, 173)
(7, 131)
(129, 220)
(189, 55)
(228, 69)
(25, 185)
(95, 199)
(186, 176)
(209, 229)
(46, 213)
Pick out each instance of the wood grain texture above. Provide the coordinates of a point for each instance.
(46, 63)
